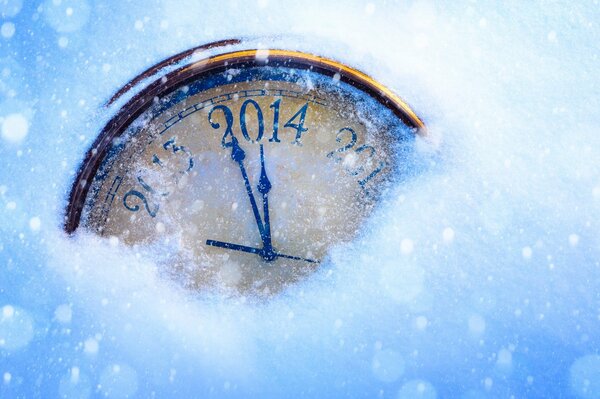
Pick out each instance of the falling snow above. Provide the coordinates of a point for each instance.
(476, 278)
(14, 127)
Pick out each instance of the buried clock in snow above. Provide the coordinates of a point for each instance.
(244, 172)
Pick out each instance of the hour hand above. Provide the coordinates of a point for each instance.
(238, 155)
(235, 247)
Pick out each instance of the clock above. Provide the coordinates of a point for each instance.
(241, 170)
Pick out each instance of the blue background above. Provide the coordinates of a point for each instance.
(478, 279)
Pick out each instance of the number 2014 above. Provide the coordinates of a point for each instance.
(296, 122)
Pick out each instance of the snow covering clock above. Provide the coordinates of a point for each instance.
(242, 168)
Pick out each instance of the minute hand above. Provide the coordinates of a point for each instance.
(264, 186)
(238, 155)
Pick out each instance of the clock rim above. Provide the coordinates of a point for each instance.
(141, 101)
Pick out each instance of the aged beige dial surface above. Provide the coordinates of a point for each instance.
(243, 177)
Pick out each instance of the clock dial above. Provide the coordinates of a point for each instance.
(241, 173)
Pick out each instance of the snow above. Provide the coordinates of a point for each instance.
(10, 8)
(476, 325)
(16, 328)
(118, 381)
(66, 15)
(504, 358)
(417, 389)
(90, 346)
(63, 42)
(448, 235)
(585, 376)
(421, 322)
(14, 128)
(406, 246)
(402, 281)
(75, 385)
(479, 278)
(573, 240)
(387, 365)
(63, 313)
(7, 30)
(35, 223)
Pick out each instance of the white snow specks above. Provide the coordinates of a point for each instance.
(35, 223)
(14, 127)
(118, 381)
(504, 358)
(417, 389)
(573, 240)
(8, 311)
(476, 325)
(7, 30)
(402, 280)
(448, 235)
(63, 42)
(387, 365)
(338, 323)
(262, 55)
(488, 383)
(63, 313)
(10, 8)
(585, 376)
(550, 195)
(230, 273)
(407, 246)
(75, 384)
(16, 328)
(67, 15)
(90, 346)
(421, 323)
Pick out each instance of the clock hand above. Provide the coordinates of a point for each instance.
(238, 155)
(264, 186)
(235, 247)
(277, 254)
(252, 250)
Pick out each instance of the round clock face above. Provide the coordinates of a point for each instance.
(241, 172)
